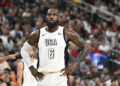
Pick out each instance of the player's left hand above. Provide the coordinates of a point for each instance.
(69, 69)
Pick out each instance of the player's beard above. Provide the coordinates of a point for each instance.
(52, 25)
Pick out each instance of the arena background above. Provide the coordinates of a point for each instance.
(97, 21)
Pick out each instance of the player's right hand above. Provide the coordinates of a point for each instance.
(38, 75)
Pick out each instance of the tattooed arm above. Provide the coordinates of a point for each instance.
(78, 41)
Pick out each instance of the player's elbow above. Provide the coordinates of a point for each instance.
(86, 47)
(26, 48)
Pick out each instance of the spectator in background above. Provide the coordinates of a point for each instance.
(114, 84)
(1, 47)
(87, 82)
(11, 76)
(94, 46)
(93, 72)
(95, 34)
(109, 82)
(87, 27)
(2, 17)
(7, 41)
(112, 31)
(37, 26)
(105, 74)
(16, 32)
(7, 80)
(27, 12)
(85, 66)
(104, 48)
(98, 81)
(77, 81)
(3, 84)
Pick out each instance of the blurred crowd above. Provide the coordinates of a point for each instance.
(18, 18)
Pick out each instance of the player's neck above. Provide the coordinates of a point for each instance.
(52, 29)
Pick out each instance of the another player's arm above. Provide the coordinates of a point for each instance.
(19, 73)
(28, 45)
(2, 59)
(12, 56)
(77, 40)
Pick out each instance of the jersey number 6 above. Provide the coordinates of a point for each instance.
(50, 53)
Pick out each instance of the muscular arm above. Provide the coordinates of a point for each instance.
(28, 46)
(19, 73)
(77, 40)
(25, 54)
(32, 40)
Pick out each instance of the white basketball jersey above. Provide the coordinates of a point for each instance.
(28, 78)
(52, 47)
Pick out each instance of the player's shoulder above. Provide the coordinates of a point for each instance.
(34, 32)
(70, 34)
(61, 26)
(42, 28)
(37, 31)
(20, 63)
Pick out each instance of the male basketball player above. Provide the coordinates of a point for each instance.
(24, 76)
(52, 41)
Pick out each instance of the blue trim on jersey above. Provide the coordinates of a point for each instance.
(38, 51)
(64, 35)
(39, 36)
(66, 57)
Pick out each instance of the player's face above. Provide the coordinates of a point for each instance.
(31, 52)
(52, 17)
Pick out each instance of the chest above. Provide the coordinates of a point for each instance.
(54, 39)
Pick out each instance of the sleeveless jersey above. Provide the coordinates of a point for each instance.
(28, 78)
(52, 47)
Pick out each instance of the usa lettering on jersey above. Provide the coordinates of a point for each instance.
(51, 42)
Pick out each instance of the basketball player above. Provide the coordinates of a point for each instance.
(12, 56)
(52, 41)
(24, 76)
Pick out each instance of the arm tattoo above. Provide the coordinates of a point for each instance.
(76, 39)
(82, 54)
